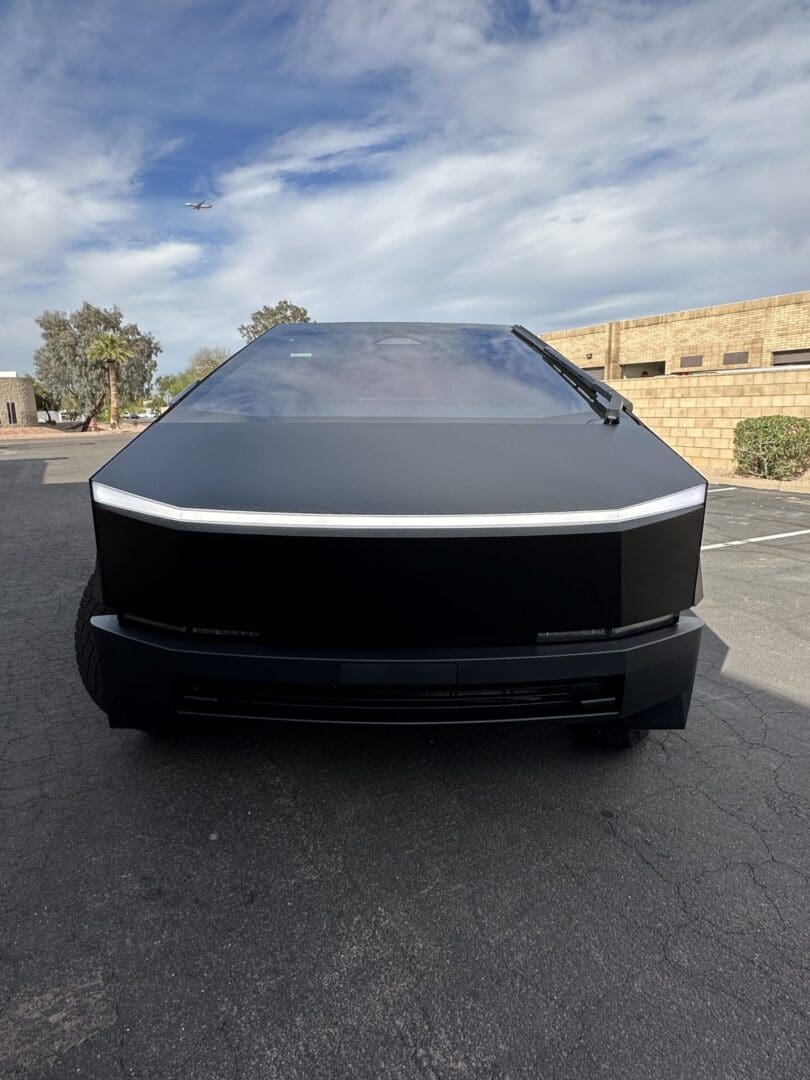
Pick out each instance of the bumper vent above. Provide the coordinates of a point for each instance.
(400, 704)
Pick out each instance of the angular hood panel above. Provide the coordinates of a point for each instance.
(399, 468)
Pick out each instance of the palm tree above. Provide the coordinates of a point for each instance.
(113, 352)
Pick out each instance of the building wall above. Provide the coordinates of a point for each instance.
(586, 346)
(696, 415)
(758, 327)
(21, 392)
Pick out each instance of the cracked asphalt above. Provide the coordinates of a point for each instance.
(485, 903)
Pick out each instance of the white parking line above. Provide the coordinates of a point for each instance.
(754, 540)
(714, 491)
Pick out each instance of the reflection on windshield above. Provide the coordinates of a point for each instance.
(384, 370)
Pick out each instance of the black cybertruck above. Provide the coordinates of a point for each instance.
(396, 523)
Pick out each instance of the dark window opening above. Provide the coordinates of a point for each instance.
(792, 356)
(735, 358)
(691, 361)
(644, 370)
(11, 412)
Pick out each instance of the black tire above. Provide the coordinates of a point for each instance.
(85, 643)
(608, 737)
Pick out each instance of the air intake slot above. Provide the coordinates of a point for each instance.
(405, 704)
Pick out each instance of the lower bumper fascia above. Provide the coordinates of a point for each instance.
(150, 677)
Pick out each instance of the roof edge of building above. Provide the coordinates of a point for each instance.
(688, 313)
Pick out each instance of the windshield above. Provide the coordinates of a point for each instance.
(405, 371)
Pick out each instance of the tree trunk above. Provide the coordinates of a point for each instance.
(94, 410)
(112, 375)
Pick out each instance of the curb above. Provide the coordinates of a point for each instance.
(799, 487)
(16, 440)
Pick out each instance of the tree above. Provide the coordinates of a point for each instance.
(267, 317)
(206, 360)
(200, 364)
(169, 386)
(64, 368)
(113, 352)
(46, 401)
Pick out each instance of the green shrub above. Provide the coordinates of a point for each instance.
(777, 447)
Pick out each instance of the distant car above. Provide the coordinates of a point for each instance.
(396, 523)
(130, 416)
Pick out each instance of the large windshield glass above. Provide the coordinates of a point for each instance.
(363, 370)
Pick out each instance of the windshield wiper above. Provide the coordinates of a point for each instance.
(610, 409)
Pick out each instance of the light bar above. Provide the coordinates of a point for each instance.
(568, 637)
(139, 506)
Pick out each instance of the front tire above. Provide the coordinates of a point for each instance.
(84, 641)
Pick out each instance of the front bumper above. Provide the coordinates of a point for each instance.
(150, 677)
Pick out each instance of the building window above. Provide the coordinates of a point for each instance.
(735, 358)
(596, 372)
(691, 361)
(643, 370)
(794, 356)
(11, 412)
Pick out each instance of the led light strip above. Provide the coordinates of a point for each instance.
(115, 499)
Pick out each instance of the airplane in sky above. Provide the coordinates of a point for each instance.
(200, 205)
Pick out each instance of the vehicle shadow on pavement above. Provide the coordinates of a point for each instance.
(726, 716)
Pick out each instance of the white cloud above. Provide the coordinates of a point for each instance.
(43, 211)
(142, 270)
(642, 163)
(353, 36)
(628, 158)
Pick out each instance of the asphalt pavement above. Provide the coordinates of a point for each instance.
(298, 902)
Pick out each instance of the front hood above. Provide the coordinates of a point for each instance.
(575, 466)
(328, 534)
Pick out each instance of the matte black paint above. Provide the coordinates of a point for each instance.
(392, 591)
(148, 671)
(381, 596)
(400, 468)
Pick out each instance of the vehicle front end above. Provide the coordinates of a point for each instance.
(476, 556)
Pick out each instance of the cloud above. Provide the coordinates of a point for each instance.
(302, 154)
(619, 162)
(357, 36)
(44, 211)
(549, 163)
(130, 268)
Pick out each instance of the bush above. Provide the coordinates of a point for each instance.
(776, 447)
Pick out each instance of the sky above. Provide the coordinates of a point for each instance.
(550, 162)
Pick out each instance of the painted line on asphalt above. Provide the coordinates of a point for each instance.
(714, 491)
(755, 540)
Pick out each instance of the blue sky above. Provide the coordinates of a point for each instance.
(551, 162)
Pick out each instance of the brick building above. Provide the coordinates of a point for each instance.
(697, 415)
(18, 403)
(755, 333)
(731, 361)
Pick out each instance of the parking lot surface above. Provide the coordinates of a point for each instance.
(327, 903)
